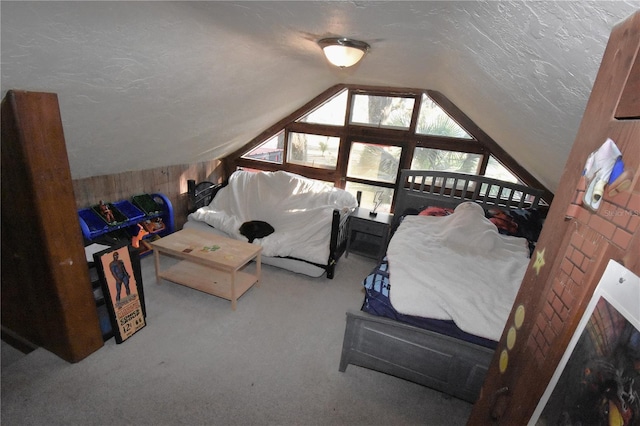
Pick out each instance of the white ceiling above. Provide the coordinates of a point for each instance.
(152, 84)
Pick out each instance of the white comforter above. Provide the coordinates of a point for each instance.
(456, 267)
(299, 209)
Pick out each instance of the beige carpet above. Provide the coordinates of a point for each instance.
(274, 361)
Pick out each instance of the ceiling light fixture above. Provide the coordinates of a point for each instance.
(343, 52)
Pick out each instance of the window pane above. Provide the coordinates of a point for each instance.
(374, 162)
(496, 170)
(382, 111)
(448, 161)
(313, 150)
(270, 151)
(369, 194)
(432, 120)
(331, 112)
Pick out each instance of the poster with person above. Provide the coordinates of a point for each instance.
(122, 289)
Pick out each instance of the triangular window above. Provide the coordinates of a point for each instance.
(271, 150)
(331, 112)
(496, 170)
(432, 120)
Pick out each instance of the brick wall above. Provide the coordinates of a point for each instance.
(615, 222)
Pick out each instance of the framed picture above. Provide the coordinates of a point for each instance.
(597, 381)
(119, 271)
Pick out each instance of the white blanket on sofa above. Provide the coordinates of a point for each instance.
(456, 267)
(299, 209)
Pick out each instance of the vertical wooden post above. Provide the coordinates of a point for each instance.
(47, 298)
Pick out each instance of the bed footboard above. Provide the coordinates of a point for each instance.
(431, 359)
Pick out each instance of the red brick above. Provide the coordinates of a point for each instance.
(557, 286)
(573, 210)
(577, 197)
(557, 304)
(577, 240)
(591, 235)
(538, 338)
(574, 286)
(558, 289)
(622, 238)
(634, 222)
(531, 344)
(589, 249)
(549, 335)
(568, 298)
(620, 217)
(557, 324)
(606, 208)
(621, 199)
(602, 225)
(584, 216)
(577, 275)
(541, 323)
(577, 258)
(547, 310)
(564, 314)
(634, 202)
(566, 265)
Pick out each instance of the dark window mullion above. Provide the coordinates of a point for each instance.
(415, 114)
(343, 161)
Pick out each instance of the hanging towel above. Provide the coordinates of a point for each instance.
(597, 171)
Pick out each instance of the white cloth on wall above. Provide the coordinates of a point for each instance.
(597, 171)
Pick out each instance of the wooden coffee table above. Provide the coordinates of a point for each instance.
(209, 263)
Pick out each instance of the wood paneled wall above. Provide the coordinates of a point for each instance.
(170, 181)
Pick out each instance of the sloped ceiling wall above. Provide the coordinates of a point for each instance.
(152, 84)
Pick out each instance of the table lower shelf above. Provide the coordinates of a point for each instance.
(209, 280)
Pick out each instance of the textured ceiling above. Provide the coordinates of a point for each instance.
(152, 84)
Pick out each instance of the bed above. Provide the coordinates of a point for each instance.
(309, 217)
(433, 350)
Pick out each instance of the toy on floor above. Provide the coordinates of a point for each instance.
(135, 241)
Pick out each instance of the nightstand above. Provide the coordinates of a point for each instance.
(368, 235)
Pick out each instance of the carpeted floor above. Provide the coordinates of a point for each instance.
(274, 361)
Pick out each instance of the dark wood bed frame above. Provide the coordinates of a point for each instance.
(449, 365)
(201, 194)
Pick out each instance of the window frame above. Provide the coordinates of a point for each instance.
(480, 144)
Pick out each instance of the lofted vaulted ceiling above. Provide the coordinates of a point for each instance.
(152, 84)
